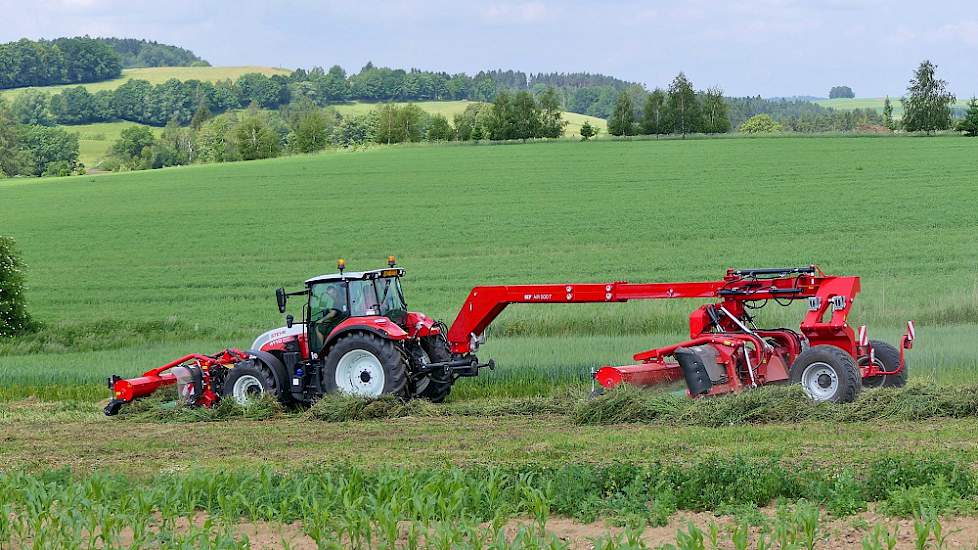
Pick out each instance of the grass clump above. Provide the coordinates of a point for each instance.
(778, 404)
(165, 408)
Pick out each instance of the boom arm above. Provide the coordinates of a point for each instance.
(485, 303)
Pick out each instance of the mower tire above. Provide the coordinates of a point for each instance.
(246, 382)
(274, 371)
(826, 373)
(888, 357)
(365, 365)
(440, 383)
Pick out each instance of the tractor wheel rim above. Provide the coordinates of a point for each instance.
(874, 381)
(820, 381)
(359, 372)
(246, 389)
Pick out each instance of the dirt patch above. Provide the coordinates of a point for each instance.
(833, 534)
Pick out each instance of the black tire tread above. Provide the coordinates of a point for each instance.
(850, 377)
(890, 357)
(390, 354)
(245, 368)
(440, 384)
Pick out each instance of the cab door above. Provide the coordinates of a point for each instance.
(329, 305)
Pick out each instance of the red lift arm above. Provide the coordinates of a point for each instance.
(827, 293)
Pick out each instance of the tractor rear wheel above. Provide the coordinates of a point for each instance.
(887, 358)
(365, 365)
(439, 384)
(826, 373)
(246, 382)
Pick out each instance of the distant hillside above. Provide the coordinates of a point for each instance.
(136, 53)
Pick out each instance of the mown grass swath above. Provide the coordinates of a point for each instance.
(186, 259)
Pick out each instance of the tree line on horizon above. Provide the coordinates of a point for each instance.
(82, 60)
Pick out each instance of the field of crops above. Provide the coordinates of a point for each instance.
(130, 270)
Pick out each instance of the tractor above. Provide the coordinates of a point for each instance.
(358, 337)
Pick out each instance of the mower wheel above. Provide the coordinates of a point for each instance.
(888, 358)
(439, 385)
(246, 382)
(363, 364)
(826, 373)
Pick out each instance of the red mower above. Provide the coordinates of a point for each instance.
(357, 337)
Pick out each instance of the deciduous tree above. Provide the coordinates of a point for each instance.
(927, 106)
(655, 117)
(684, 108)
(622, 120)
(969, 124)
(715, 118)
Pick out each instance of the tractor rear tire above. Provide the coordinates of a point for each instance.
(365, 365)
(439, 384)
(246, 382)
(826, 373)
(888, 357)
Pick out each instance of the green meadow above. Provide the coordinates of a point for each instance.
(129, 270)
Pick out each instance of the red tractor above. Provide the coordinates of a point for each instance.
(357, 337)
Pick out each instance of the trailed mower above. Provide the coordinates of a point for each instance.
(357, 337)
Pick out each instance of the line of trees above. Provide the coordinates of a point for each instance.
(34, 150)
(142, 102)
(147, 53)
(304, 127)
(677, 110)
(61, 61)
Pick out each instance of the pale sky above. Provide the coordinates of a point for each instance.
(747, 47)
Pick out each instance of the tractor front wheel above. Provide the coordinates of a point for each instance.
(826, 373)
(365, 365)
(888, 359)
(245, 383)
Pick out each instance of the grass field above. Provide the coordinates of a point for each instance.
(157, 273)
(95, 140)
(846, 104)
(130, 270)
(158, 75)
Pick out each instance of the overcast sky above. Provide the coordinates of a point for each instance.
(748, 47)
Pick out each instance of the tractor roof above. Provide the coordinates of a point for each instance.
(355, 275)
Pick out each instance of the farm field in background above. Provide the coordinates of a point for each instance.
(130, 269)
(158, 75)
(848, 104)
(95, 140)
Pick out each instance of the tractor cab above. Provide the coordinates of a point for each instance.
(334, 298)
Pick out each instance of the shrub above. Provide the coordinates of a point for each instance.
(760, 124)
(14, 318)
